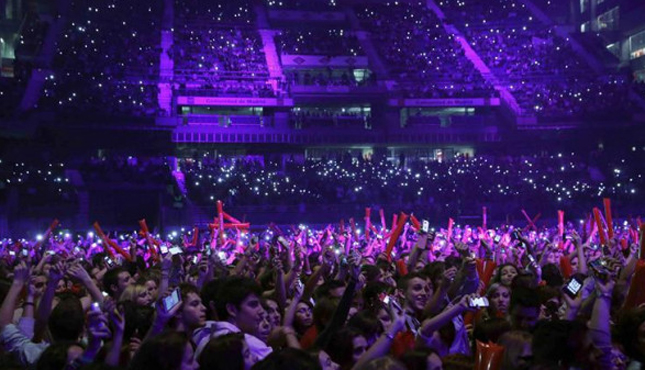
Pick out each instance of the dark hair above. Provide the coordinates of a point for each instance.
(341, 347)
(498, 275)
(288, 359)
(372, 292)
(323, 312)
(558, 342)
(418, 359)
(110, 278)
(234, 290)
(187, 288)
(552, 276)
(524, 279)
(54, 357)
(208, 295)
(402, 282)
(163, 352)
(626, 332)
(324, 289)
(367, 322)
(138, 319)
(223, 353)
(457, 361)
(371, 272)
(384, 363)
(67, 320)
(522, 296)
(490, 330)
(296, 324)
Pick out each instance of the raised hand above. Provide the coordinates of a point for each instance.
(79, 273)
(56, 273)
(21, 274)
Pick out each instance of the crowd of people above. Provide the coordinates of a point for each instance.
(103, 65)
(427, 61)
(546, 75)
(407, 297)
(203, 52)
(329, 42)
(107, 60)
(461, 185)
(217, 51)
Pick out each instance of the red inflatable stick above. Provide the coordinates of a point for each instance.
(451, 223)
(415, 223)
(531, 221)
(218, 222)
(601, 230)
(561, 224)
(47, 234)
(353, 226)
(396, 232)
(489, 356)
(610, 224)
(145, 232)
(641, 254)
(381, 213)
(107, 242)
(368, 223)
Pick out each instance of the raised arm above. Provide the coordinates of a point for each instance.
(383, 344)
(56, 273)
(79, 273)
(429, 326)
(21, 275)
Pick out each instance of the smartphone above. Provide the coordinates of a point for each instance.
(109, 261)
(171, 301)
(195, 259)
(163, 249)
(425, 226)
(12, 253)
(599, 268)
(573, 287)
(95, 307)
(222, 256)
(478, 302)
(209, 251)
(391, 300)
(531, 258)
(497, 239)
(24, 253)
(175, 251)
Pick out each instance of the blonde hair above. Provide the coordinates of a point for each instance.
(514, 343)
(132, 292)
